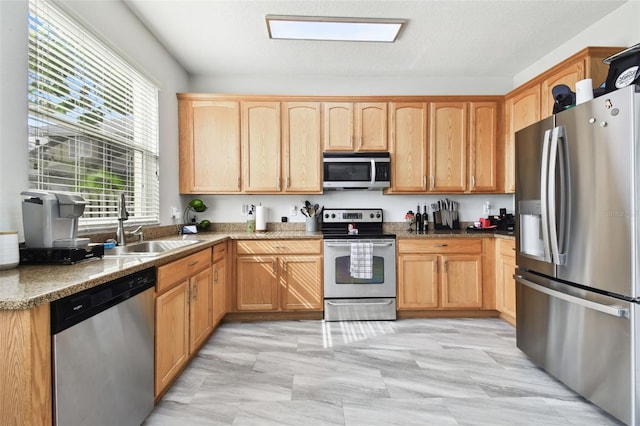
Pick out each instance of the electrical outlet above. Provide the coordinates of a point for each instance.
(487, 208)
(175, 212)
(244, 209)
(293, 211)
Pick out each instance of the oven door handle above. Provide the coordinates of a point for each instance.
(388, 302)
(349, 244)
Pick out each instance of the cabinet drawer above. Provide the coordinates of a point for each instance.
(175, 272)
(219, 251)
(440, 246)
(507, 248)
(278, 246)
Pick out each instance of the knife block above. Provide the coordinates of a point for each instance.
(438, 224)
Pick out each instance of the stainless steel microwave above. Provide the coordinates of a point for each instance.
(356, 170)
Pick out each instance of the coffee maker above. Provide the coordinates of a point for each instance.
(50, 222)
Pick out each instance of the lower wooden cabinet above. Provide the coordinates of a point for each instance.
(219, 294)
(278, 275)
(505, 283)
(183, 314)
(440, 274)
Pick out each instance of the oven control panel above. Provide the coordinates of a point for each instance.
(352, 216)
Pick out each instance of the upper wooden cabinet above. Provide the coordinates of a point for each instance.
(444, 147)
(261, 144)
(209, 150)
(301, 146)
(360, 126)
(533, 100)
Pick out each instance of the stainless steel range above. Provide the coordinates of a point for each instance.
(359, 266)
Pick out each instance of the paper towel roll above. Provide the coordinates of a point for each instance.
(261, 218)
(584, 91)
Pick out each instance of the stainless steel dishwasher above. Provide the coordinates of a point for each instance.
(102, 350)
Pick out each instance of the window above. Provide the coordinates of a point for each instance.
(93, 121)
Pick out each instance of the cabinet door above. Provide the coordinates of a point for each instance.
(461, 281)
(569, 76)
(301, 283)
(219, 290)
(505, 283)
(257, 284)
(408, 146)
(371, 126)
(261, 147)
(302, 161)
(200, 310)
(448, 146)
(338, 126)
(483, 140)
(522, 110)
(209, 146)
(417, 281)
(172, 334)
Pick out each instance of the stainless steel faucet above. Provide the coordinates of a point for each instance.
(123, 215)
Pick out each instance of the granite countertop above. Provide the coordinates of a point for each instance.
(28, 286)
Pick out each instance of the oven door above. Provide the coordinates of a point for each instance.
(338, 282)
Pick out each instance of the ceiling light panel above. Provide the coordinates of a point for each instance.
(333, 29)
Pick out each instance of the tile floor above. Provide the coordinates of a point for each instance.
(405, 372)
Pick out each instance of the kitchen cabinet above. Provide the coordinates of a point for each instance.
(359, 126)
(25, 363)
(183, 314)
(408, 146)
(448, 126)
(301, 147)
(482, 175)
(440, 274)
(209, 146)
(261, 147)
(278, 275)
(533, 100)
(505, 283)
(219, 293)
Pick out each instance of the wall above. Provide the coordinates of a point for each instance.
(115, 24)
(620, 28)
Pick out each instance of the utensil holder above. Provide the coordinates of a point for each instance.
(311, 224)
(439, 225)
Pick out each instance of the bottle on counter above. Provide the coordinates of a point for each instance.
(425, 219)
(418, 220)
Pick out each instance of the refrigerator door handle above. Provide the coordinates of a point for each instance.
(544, 196)
(613, 310)
(556, 153)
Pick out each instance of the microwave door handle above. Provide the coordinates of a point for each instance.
(373, 171)
(544, 197)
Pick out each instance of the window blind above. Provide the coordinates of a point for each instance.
(93, 121)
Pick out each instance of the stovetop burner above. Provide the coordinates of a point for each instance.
(353, 224)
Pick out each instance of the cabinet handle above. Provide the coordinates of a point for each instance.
(433, 182)
(278, 183)
(274, 264)
(445, 266)
(238, 179)
(193, 263)
(190, 295)
(195, 291)
(442, 245)
(473, 182)
(215, 276)
(284, 265)
(437, 266)
(424, 181)
(279, 247)
(287, 183)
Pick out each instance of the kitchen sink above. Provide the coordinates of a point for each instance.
(148, 248)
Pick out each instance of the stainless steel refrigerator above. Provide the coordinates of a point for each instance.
(578, 249)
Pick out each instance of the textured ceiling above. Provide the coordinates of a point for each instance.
(481, 38)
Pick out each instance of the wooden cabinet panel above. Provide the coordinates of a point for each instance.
(461, 281)
(338, 126)
(419, 277)
(371, 126)
(505, 283)
(440, 245)
(483, 139)
(301, 282)
(261, 145)
(219, 292)
(278, 246)
(569, 76)
(448, 146)
(256, 286)
(175, 272)
(408, 146)
(172, 334)
(302, 159)
(209, 146)
(200, 311)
